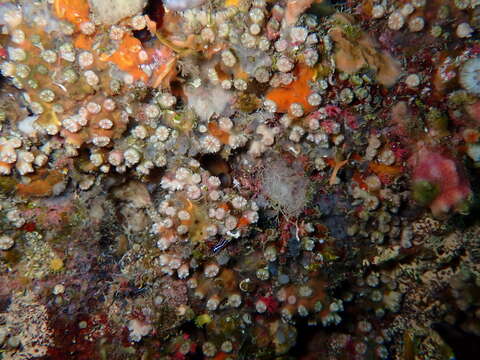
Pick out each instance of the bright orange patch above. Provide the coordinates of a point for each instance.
(220, 356)
(243, 222)
(215, 130)
(42, 184)
(83, 41)
(381, 169)
(186, 222)
(224, 206)
(231, 3)
(75, 11)
(297, 92)
(330, 162)
(126, 57)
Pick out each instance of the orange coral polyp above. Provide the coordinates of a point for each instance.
(75, 11)
(297, 92)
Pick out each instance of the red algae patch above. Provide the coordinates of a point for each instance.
(438, 181)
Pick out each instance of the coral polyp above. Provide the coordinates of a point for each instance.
(239, 179)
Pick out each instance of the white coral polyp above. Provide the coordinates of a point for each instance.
(470, 76)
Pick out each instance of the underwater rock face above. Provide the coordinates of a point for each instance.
(287, 179)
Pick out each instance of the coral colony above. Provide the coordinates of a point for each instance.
(239, 179)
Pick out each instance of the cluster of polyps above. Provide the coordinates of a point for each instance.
(305, 300)
(70, 84)
(195, 210)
